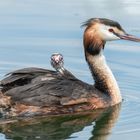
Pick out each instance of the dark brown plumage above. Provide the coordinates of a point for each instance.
(25, 76)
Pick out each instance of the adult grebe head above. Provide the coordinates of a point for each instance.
(100, 30)
(57, 61)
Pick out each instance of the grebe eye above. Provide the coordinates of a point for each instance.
(60, 58)
(52, 58)
(110, 30)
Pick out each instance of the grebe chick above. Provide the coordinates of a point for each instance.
(60, 94)
(57, 63)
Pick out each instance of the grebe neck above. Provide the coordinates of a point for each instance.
(104, 79)
(61, 70)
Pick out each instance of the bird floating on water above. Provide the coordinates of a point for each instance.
(36, 91)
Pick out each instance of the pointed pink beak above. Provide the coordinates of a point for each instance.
(129, 37)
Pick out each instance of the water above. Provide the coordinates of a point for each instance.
(31, 30)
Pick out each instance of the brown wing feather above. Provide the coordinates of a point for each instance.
(23, 76)
(53, 92)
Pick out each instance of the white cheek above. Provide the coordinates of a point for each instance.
(106, 35)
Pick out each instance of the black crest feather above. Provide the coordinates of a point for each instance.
(103, 21)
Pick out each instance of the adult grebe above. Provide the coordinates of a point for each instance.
(59, 94)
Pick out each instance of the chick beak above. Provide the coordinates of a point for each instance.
(57, 61)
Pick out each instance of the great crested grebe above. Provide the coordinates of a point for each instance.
(38, 91)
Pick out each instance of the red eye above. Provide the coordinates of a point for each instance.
(110, 30)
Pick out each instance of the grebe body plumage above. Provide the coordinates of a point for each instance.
(40, 91)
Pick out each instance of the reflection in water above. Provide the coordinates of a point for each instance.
(105, 123)
(62, 127)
